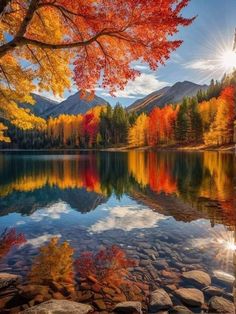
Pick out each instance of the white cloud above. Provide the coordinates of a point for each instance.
(54, 211)
(49, 95)
(201, 64)
(143, 85)
(127, 218)
(39, 241)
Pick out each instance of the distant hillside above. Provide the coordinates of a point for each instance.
(74, 105)
(42, 104)
(166, 95)
(45, 107)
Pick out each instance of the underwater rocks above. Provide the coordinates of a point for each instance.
(197, 276)
(59, 306)
(159, 300)
(221, 305)
(191, 296)
(7, 279)
(129, 307)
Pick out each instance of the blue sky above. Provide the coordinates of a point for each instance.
(197, 60)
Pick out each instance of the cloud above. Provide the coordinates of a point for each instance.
(127, 218)
(143, 85)
(49, 95)
(54, 211)
(39, 241)
(204, 65)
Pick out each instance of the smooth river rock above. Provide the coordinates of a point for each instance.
(213, 291)
(190, 296)
(59, 307)
(128, 307)
(180, 309)
(7, 279)
(197, 276)
(159, 300)
(221, 305)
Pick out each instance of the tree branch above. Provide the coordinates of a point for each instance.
(3, 5)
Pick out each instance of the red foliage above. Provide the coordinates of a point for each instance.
(89, 128)
(108, 266)
(9, 239)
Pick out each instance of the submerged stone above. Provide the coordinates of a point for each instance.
(190, 296)
(221, 305)
(7, 279)
(59, 307)
(197, 276)
(159, 300)
(131, 307)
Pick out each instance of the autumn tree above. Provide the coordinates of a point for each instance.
(54, 263)
(96, 40)
(138, 133)
(9, 239)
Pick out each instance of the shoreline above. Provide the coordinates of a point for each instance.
(189, 148)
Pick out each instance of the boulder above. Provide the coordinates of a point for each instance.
(190, 296)
(59, 307)
(223, 277)
(8, 279)
(159, 300)
(128, 307)
(197, 276)
(221, 305)
(180, 309)
(213, 291)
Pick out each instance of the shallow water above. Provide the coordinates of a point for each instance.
(178, 209)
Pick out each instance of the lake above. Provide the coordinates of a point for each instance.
(153, 215)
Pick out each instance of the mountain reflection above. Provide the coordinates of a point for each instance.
(186, 186)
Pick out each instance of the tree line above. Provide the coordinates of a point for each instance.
(208, 118)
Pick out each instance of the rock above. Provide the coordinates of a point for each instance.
(159, 300)
(7, 279)
(160, 264)
(179, 309)
(221, 305)
(59, 307)
(197, 276)
(223, 277)
(131, 307)
(190, 296)
(213, 291)
(100, 304)
(30, 291)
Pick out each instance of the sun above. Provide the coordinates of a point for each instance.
(228, 60)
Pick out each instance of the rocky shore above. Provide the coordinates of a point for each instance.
(189, 292)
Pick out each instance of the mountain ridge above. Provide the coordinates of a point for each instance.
(75, 104)
(166, 95)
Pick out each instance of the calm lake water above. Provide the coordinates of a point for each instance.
(170, 212)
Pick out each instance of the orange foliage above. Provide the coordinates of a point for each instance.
(100, 38)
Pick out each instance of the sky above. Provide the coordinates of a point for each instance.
(198, 59)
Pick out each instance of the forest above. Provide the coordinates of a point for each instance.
(208, 118)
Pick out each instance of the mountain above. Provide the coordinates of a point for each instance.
(74, 104)
(166, 95)
(45, 107)
(42, 104)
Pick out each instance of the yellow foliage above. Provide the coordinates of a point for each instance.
(138, 132)
(3, 138)
(54, 263)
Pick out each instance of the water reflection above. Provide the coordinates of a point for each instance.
(204, 181)
(116, 218)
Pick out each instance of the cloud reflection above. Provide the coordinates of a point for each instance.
(127, 218)
(53, 212)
